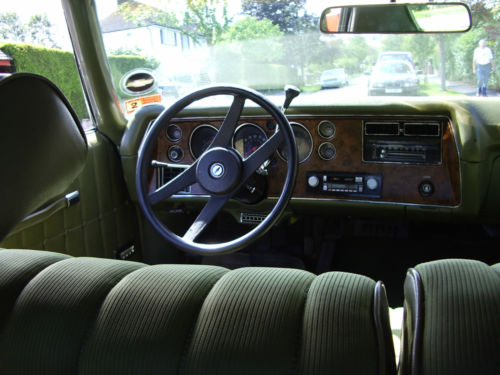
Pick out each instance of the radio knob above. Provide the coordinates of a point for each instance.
(313, 181)
(371, 183)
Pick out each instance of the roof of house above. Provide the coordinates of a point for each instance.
(116, 22)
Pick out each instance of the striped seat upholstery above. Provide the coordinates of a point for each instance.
(64, 315)
(452, 319)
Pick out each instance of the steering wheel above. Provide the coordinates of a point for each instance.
(220, 171)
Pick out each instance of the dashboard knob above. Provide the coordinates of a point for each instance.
(313, 181)
(371, 183)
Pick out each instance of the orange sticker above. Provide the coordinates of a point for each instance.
(132, 105)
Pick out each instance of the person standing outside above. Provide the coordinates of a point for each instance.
(483, 64)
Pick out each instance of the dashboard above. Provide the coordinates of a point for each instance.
(411, 160)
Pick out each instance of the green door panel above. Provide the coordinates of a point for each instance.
(103, 221)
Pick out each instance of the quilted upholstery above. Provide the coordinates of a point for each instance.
(104, 219)
(452, 319)
(98, 316)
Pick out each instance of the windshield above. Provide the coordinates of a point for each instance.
(268, 44)
(393, 68)
(264, 45)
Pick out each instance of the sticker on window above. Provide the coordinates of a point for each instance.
(133, 105)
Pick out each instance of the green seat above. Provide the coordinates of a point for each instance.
(452, 319)
(64, 315)
(42, 148)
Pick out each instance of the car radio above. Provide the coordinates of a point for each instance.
(347, 184)
(402, 142)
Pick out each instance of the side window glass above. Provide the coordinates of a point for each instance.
(34, 39)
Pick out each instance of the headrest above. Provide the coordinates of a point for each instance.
(42, 146)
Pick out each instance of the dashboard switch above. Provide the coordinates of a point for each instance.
(371, 183)
(313, 181)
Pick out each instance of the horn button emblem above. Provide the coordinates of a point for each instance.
(217, 170)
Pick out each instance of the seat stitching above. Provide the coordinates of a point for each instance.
(296, 360)
(190, 335)
(93, 321)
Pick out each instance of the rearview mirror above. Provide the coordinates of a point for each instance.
(397, 18)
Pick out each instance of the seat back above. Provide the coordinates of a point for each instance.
(452, 319)
(42, 147)
(66, 315)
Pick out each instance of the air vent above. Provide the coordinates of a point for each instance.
(421, 129)
(166, 173)
(251, 218)
(381, 128)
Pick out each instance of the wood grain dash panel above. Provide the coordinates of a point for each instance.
(400, 181)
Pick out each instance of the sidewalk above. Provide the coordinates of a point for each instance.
(462, 87)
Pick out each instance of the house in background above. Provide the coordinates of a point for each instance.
(174, 50)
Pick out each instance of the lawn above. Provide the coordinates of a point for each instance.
(434, 89)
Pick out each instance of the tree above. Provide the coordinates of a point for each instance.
(251, 28)
(11, 27)
(206, 18)
(145, 15)
(39, 29)
(289, 15)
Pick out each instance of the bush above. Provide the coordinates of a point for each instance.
(60, 67)
(57, 65)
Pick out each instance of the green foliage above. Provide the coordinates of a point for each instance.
(11, 27)
(251, 28)
(60, 67)
(37, 31)
(357, 56)
(56, 65)
(203, 17)
(289, 15)
(145, 15)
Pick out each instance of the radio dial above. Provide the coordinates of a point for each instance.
(313, 181)
(372, 183)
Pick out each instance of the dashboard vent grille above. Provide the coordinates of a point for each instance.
(381, 128)
(421, 129)
(165, 174)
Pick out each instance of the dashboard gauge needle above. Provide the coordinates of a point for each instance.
(249, 152)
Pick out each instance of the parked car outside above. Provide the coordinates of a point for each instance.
(393, 78)
(396, 55)
(334, 78)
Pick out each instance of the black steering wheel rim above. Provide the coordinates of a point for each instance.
(146, 201)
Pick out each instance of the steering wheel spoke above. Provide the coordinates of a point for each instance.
(219, 166)
(225, 134)
(205, 217)
(264, 152)
(186, 178)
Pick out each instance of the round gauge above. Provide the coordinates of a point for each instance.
(248, 138)
(173, 132)
(201, 138)
(175, 153)
(326, 129)
(327, 151)
(304, 143)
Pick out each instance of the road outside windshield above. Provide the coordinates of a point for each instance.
(265, 45)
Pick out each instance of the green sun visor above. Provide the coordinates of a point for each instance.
(397, 18)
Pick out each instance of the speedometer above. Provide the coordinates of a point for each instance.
(248, 138)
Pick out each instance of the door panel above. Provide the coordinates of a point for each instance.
(101, 223)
